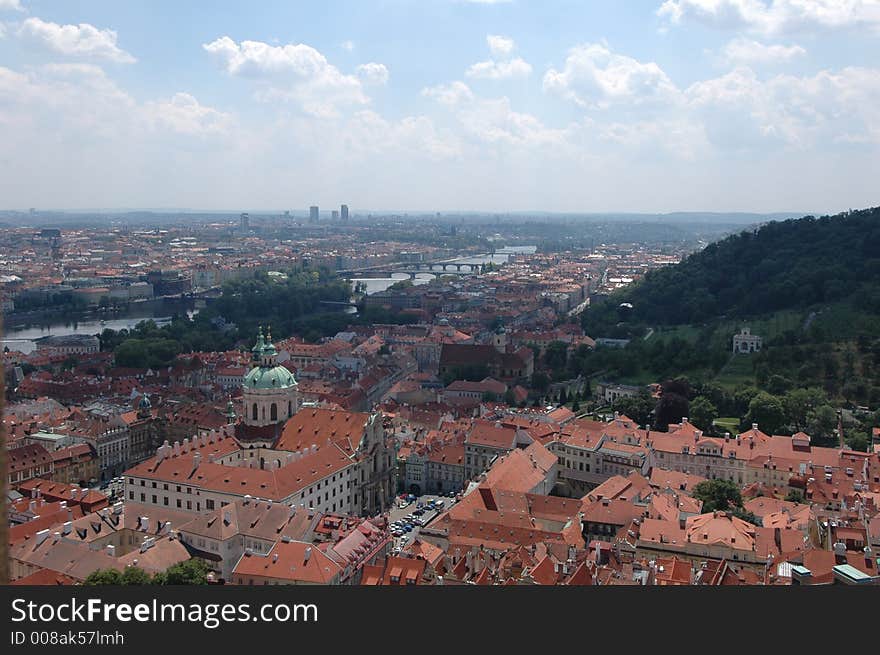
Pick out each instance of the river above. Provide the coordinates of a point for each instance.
(377, 284)
(21, 337)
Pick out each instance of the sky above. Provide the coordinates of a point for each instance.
(433, 105)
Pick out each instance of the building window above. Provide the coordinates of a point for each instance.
(273, 412)
(254, 412)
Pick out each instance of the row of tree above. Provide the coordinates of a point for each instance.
(191, 572)
(796, 410)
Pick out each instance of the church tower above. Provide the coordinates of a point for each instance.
(269, 390)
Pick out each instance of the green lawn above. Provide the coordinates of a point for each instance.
(727, 424)
(737, 371)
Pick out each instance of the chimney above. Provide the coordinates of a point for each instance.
(73, 492)
(197, 459)
(185, 447)
(111, 550)
(41, 536)
(67, 527)
(145, 523)
(177, 449)
(32, 506)
(227, 517)
(118, 507)
(754, 426)
(166, 528)
(308, 554)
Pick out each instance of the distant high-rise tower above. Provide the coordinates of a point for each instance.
(313, 213)
(334, 215)
(343, 211)
(244, 221)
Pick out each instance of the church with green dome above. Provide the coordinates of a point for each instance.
(269, 390)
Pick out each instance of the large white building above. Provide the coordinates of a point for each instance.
(746, 342)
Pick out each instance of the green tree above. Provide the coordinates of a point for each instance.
(191, 572)
(702, 413)
(799, 404)
(103, 577)
(721, 495)
(134, 575)
(638, 408)
(856, 439)
(540, 381)
(766, 410)
(822, 423)
(556, 356)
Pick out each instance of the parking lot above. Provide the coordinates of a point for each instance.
(400, 513)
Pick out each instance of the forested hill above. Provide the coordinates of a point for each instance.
(791, 264)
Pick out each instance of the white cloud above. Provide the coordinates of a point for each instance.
(774, 16)
(449, 94)
(678, 136)
(741, 110)
(305, 75)
(492, 120)
(368, 133)
(11, 5)
(595, 77)
(347, 45)
(499, 46)
(499, 70)
(501, 66)
(75, 40)
(747, 51)
(373, 73)
(495, 121)
(183, 114)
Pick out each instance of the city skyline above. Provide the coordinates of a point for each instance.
(447, 105)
